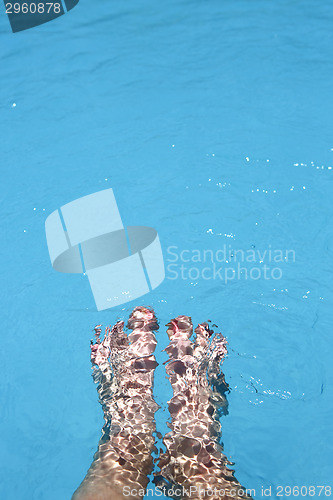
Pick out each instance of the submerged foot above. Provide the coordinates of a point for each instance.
(124, 370)
(194, 465)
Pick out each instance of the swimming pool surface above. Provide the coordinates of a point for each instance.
(212, 122)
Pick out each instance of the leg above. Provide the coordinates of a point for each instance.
(194, 460)
(124, 370)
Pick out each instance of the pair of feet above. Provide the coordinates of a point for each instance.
(193, 465)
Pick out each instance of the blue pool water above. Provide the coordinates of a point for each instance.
(212, 122)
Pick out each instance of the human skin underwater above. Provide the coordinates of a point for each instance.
(193, 463)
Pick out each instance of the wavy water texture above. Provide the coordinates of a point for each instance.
(194, 464)
(123, 368)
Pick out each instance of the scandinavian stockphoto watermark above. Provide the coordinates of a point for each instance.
(227, 264)
(178, 491)
(87, 236)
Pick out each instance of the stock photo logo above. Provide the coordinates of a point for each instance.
(87, 236)
(124, 263)
(227, 264)
(27, 14)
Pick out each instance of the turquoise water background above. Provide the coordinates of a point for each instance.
(212, 122)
